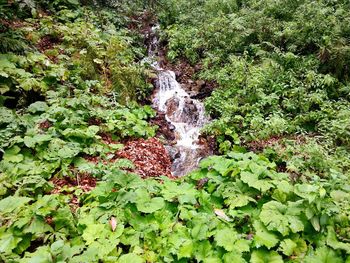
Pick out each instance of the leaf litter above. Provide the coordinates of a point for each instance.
(149, 157)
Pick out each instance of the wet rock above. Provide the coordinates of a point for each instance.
(208, 143)
(197, 67)
(172, 143)
(205, 91)
(172, 106)
(186, 162)
(190, 112)
(200, 83)
(178, 73)
(173, 152)
(195, 89)
(165, 129)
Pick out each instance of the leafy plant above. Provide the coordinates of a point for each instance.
(245, 211)
(68, 99)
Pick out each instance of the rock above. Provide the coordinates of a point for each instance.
(195, 89)
(173, 153)
(165, 128)
(197, 67)
(200, 83)
(172, 105)
(178, 73)
(190, 112)
(172, 143)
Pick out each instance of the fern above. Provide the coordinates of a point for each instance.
(9, 42)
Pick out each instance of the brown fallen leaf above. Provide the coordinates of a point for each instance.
(149, 157)
(222, 215)
(113, 223)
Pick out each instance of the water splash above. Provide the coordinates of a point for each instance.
(186, 115)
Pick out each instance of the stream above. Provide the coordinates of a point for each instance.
(184, 114)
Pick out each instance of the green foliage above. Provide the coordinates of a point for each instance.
(280, 67)
(167, 221)
(74, 85)
(70, 79)
(68, 133)
(74, 51)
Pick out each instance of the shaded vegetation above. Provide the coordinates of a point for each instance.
(281, 67)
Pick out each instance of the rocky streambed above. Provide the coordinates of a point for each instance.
(181, 113)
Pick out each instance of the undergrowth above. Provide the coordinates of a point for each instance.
(70, 79)
(281, 69)
(236, 208)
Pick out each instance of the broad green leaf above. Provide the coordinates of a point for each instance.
(234, 198)
(288, 246)
(218, 163)
(242, 245)
(184, 192)
(315, 222)
(60, 149)
(39, 106)
(4, 88)
(131, 257)
(223, 166)
(13, 155)
(93, 232)
(38, 226)
(11, 203)
(30, 84)
(333, 242)
(283, 191)
(7, 115)
(8, 242)
(203, 250)
(212, 259)
(338, 195)
(272, 215)
(281, 218)
(263, 237)
(301, 247)
(83, 133)
(150, 206)
(30, 142)
(307, 191)
(57, 247)
(233, 257)
(199, 231)
(253, 181)
(185, 250)
(41, 255)
(130, 237)
(323, 255)
(256, 168)
(6, 61)
(264, 256)
(226, 238)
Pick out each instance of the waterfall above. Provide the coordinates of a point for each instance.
(186, 115)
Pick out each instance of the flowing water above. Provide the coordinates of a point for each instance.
(186, 115)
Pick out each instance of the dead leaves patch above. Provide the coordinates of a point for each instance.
(149, 157)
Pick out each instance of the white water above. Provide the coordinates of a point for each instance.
(185, 114)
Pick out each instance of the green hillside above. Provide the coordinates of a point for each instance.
(85, 176)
